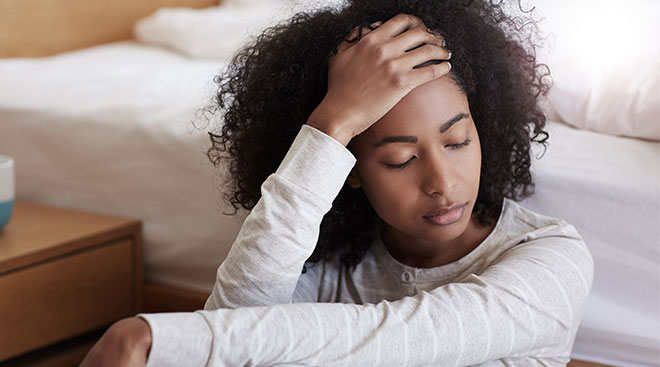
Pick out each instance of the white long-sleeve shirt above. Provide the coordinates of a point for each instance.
(515, 300)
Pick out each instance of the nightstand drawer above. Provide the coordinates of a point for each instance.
(66, 296)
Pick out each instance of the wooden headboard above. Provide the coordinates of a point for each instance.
(30, 28)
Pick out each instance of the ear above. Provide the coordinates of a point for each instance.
(353, 179)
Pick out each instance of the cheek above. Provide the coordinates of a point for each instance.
(386, 195)
(473, 164)
(465, 172)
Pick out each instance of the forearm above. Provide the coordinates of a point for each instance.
(266, 259)
(413, 331)
(126, 343)
(525, 306)
(419, 330)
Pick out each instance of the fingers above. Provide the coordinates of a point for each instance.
(429, 72)
(410, 33)
(424, 54)
(346, 44)
(413, 38)
(397, 25)
(375, 25)
(418, 46)
(406, 35)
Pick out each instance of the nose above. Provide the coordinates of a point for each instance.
(437, 178)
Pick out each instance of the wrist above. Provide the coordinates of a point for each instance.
(331, 126)
(336, 134)
(133, 334)
(143, 335)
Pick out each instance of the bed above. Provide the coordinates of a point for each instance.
(112, 128)
(605, 186)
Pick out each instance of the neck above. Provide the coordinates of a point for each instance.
(422, 253)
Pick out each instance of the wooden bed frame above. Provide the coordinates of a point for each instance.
(35, 28)
(32, 28)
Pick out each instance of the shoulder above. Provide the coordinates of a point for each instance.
(547, 241)
(529, 225)
(545, 263)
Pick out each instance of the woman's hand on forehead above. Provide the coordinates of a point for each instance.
(369, 76)
(392, 28)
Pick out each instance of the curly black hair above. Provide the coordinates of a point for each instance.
(273, 84)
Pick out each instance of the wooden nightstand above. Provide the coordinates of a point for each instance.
(65, 272)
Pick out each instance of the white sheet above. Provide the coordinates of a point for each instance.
(196, 32)
(609, 188)
(106, 129)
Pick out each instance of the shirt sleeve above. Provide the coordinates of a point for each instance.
(280, 233)
(528, 304)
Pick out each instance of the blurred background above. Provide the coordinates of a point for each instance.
(99, 108)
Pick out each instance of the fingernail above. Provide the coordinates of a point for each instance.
(449, 52)
(436, 34)
(449, 64)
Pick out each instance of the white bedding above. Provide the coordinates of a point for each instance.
(609, 188)
(107, 129)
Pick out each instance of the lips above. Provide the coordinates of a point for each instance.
(443, 210)
(445, 216)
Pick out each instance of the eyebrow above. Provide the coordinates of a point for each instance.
(413, 139)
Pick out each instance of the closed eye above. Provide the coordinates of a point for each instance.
(398, 166)
(461, 145)
(453, 146)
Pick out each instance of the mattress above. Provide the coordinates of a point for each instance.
(110, 129)
(609, 188)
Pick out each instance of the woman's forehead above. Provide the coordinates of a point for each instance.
(431, 103)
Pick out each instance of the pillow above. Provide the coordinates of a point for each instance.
(625, 103)
(216, 32)
(605, 64)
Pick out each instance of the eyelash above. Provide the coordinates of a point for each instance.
(402, 165)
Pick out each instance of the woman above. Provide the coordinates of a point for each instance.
(389, 177)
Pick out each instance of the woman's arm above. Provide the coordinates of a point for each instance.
(528, 304)
(365, 80)
(266, 259)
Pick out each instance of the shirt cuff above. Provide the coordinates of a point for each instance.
(317, 162)
(178, 339)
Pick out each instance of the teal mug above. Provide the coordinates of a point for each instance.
(7, 190)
